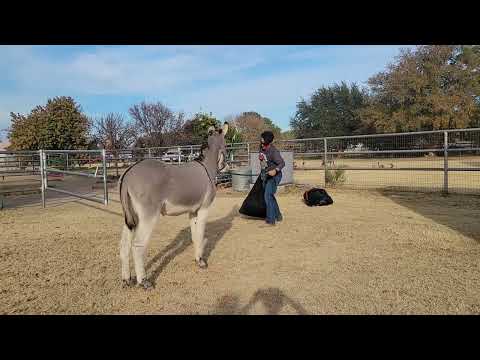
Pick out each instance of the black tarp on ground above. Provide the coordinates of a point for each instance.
(254, 204)
(317, 197)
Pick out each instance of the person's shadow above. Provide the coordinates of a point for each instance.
(214, 232)
(273, 299)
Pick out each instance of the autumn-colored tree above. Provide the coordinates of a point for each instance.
(251, 124)
(428, 88)
(60, 124)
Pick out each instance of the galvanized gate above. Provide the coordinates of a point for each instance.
(45, 170)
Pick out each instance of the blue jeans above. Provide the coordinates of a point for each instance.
(273, 211)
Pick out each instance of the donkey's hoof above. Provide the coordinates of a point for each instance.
(202, 264)
(146, 284)
(128, 283)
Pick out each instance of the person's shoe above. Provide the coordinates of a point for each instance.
(280, 218)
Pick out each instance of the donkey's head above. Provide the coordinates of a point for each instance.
(217, 145)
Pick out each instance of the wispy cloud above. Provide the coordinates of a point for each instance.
(221, 79)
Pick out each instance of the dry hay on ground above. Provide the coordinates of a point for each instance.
(368, 253)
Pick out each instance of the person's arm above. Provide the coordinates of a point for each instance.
(278, 160)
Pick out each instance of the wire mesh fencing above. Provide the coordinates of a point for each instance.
(446, 161)
(430, 161)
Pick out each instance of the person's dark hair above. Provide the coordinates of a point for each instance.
(267, 137)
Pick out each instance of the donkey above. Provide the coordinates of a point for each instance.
(151, 187)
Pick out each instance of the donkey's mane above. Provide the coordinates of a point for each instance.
(201, 157)
(204, 146)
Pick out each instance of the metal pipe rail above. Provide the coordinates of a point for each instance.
(382, 135)
(44, 170)
(71, 151)
(77, 173)
(386, 169)
(412, 151)
(91, 198)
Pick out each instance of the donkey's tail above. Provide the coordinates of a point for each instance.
(131, 217)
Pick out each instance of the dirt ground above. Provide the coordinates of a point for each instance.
(368, 253)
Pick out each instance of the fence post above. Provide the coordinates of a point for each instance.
(445, 162)
(325, 160)
(67, 160)
(149, 153)
(40, 153)
(248, 154)
(179, 155)
(105, 189)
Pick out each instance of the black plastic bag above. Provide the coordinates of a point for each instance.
(317, 197)
(254, 204)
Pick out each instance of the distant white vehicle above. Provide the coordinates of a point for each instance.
(192, 156)
(125, 156)
(172, 155)
(356, 148)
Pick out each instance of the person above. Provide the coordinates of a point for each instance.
(274, 165)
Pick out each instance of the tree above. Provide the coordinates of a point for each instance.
(156, 124)
(233, 135)
(251, 124)
(60, 124)
(289, 135)
(428, 88)
(113, 132)
(195, 130)
(331, 111)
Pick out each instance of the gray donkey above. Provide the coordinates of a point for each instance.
(150, 188)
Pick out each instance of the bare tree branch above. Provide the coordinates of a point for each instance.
(112, 131)
(157, 125)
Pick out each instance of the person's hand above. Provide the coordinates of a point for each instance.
(261, 157)
(272, 172)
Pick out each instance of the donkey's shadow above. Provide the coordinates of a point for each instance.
(214, 232)
(273, 299)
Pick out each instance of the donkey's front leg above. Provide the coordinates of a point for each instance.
(201, 240)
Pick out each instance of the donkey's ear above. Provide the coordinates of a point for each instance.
(224, 129)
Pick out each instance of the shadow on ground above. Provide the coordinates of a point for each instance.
(454, 211)
(214, 232)
(273, 300)
(99, 207)
(24, 196)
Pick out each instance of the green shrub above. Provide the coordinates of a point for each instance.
(335, 177)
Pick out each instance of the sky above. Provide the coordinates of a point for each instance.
(223, 80)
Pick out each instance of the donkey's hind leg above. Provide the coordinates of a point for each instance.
(193, 230)
(140, 243)
(125, 246)
(201, 241)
